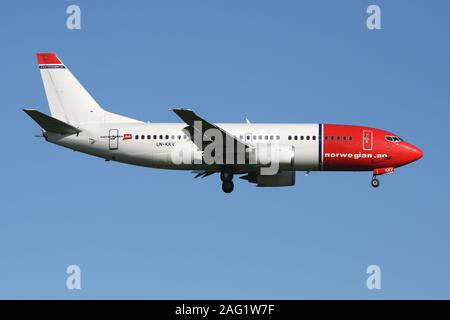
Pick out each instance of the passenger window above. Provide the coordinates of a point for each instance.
(278, 137)
(149, 137)
(241, 137)
(302, 138)
(173, 137)
(260, 138)
(160, 136)
(154, 137)
(136, 137)
(179, 137)
(350, 138)
(307, 137)
(338, 138)
(167, 137)
(248, 137)
(184, 137)
(332, 138)
(254, 137)
(326, 137)
(344, 138)
(266, 137)
(289, 137)
(271, 137)
(295, 137)
(314, 137)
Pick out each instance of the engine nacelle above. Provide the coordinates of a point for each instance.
(281, 179)
(273, 155)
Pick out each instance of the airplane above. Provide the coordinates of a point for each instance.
(266, 154)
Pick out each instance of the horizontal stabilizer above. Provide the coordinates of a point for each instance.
(51, 124)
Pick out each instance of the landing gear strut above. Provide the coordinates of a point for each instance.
(375, 182)
(227, 181)
(380, 171)
(226, 176)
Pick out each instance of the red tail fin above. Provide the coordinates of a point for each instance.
(48, 58)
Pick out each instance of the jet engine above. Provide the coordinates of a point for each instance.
(281, 179)
(273, 155)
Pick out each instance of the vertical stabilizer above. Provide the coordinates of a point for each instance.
(68, 100)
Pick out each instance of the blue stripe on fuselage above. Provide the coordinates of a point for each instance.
(320, 147)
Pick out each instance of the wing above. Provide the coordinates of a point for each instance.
(193, 121)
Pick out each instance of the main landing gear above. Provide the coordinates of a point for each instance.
(375, 182)
(227, 181)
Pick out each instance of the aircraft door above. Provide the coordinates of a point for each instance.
(113, 139)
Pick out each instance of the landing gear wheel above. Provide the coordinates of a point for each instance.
(375, 182)
(228, 186)
(226, 176)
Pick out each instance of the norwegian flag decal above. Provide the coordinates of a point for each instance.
(127, 136)
(367, 140)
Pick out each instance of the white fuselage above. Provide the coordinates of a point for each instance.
(154, 144)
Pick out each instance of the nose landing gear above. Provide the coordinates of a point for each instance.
(227, 181)
(375, 182)
(380, 171)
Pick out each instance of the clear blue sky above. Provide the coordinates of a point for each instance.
(146, 233)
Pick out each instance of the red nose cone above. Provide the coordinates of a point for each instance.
(414, 153)
(419, 153)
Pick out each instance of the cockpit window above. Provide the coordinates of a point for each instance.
(393, 139)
